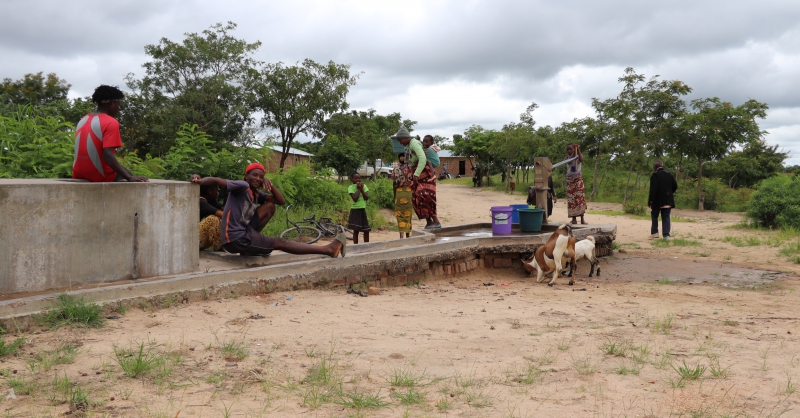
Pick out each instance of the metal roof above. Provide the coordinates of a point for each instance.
(295, 151)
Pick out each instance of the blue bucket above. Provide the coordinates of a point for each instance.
(515, 214)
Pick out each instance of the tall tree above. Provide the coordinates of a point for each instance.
(746, 167)
(297, 99)
(369, 129)
(713, 128)
(198, 81)
(476, 143)
(644, 117)
(343, 154)
(34, 89)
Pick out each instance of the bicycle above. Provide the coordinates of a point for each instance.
(324, 227)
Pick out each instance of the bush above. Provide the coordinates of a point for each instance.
(381, 195)
(776, 203)
(717, 196)
(301, 189)
(635, 209)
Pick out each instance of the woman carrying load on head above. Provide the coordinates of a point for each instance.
(423, 179)
(576, 196)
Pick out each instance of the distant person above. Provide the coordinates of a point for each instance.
(248, 210)
(358, 221)
(551, 196)
(97, 138)
(210, 216)
(576, 195)
(401, 184)
(661, 199)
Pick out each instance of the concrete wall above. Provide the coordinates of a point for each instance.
(60, 233)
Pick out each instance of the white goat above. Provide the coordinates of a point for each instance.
(583, 249)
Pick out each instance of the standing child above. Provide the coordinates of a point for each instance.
(358, 212)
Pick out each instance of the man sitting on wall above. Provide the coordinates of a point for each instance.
(97, 139)
(210, 216)
(248, 210)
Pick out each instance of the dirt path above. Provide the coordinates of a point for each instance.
(492, 343)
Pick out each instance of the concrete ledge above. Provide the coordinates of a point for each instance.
(418, 238)
(382, 265)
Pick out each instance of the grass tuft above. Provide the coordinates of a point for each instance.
(6, 349)
(71, 310)
(675, 242)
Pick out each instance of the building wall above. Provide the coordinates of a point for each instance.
(272, 164)
(452, 164)
(59, 234)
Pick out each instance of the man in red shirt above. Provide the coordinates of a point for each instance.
(97, 139)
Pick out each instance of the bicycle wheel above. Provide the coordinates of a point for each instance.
(303, 234)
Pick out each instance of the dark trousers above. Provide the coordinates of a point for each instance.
(665, 222)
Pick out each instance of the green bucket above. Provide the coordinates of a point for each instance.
(530, 220)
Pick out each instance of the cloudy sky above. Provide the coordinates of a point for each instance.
(447, 64)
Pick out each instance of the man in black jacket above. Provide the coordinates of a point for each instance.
(662, 198)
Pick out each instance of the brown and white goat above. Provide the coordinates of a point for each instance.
(550, 256)
(583, 249)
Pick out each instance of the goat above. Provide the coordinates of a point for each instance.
(550, 256)
(583, 249)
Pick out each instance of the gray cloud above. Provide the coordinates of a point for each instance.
(446, 63)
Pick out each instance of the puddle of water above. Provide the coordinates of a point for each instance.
(477, 234)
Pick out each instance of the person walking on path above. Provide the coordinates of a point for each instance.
(661, 199)
(97, 139)
(248, 210)
(358, 221)
(576, 196)
(401, 184)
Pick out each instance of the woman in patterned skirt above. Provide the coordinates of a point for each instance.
(576, 196)
(424, 179)
(402, 182)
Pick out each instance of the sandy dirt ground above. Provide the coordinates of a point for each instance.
(706, 330)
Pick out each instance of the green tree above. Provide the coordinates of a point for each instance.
(298, 99)
(34, 89)
(369, 129)
(476, 143)
(643, 119)
(746, 167)
(713, 128)
(342, 154)
(198, 81)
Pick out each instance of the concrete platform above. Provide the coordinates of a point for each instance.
(387, 263)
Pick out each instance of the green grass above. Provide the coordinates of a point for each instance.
(634, 216)
(63, 354)
(664, 325)
(146, 359)
(71, 310)
(675, 242)
(689, 373)
(584, 365)
(11, 348)
(411, 396)
(791, 252)
(405, 377)
(23, 386)
(234, 350)
(362, 400)
(615, 348)
(742, 241)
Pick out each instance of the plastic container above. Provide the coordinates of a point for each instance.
(501, 220)
(397, 147)
(515, 214)
(530, 220)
